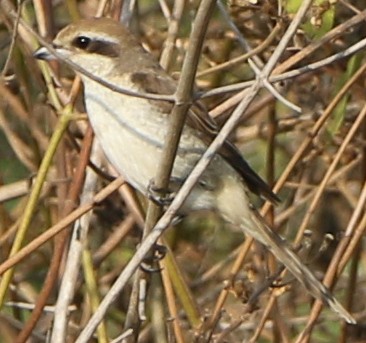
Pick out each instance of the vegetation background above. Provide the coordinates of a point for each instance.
(211, 285)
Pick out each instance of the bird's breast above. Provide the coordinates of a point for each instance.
(132, 132)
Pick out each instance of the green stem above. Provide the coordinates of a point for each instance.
(34, 195)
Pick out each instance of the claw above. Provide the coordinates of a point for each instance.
(159, 252)
(157, 196)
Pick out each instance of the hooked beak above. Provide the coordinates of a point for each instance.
(43, 54)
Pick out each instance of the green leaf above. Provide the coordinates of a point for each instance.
(321, 19)
(340, 110)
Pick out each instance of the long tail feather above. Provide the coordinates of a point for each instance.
(285, 255)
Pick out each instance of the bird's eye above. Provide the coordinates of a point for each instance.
(96, 46)
(81, 42)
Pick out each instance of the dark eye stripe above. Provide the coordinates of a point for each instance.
(103, 48)
(96, 46)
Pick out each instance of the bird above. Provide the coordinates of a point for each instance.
(132, 130)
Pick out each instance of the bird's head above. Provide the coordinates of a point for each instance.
(97, 45)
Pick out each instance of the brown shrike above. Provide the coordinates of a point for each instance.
(132, 130)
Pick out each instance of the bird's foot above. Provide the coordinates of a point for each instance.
(149, 262)
(159, 196)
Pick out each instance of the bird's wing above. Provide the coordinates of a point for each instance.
(207, 129)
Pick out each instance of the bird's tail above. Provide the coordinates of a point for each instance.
(285, 255)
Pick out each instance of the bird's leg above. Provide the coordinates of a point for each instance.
(159, 252)
(161, 197)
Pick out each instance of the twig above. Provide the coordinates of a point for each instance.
(169, 44)
(77, 244)
(61, 225)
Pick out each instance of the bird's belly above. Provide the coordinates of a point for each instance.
(132, 138)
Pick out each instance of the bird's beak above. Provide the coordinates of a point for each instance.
(43, 54)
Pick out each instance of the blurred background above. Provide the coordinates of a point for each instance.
(210, 285)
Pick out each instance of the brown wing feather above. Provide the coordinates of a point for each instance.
(198, 118)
